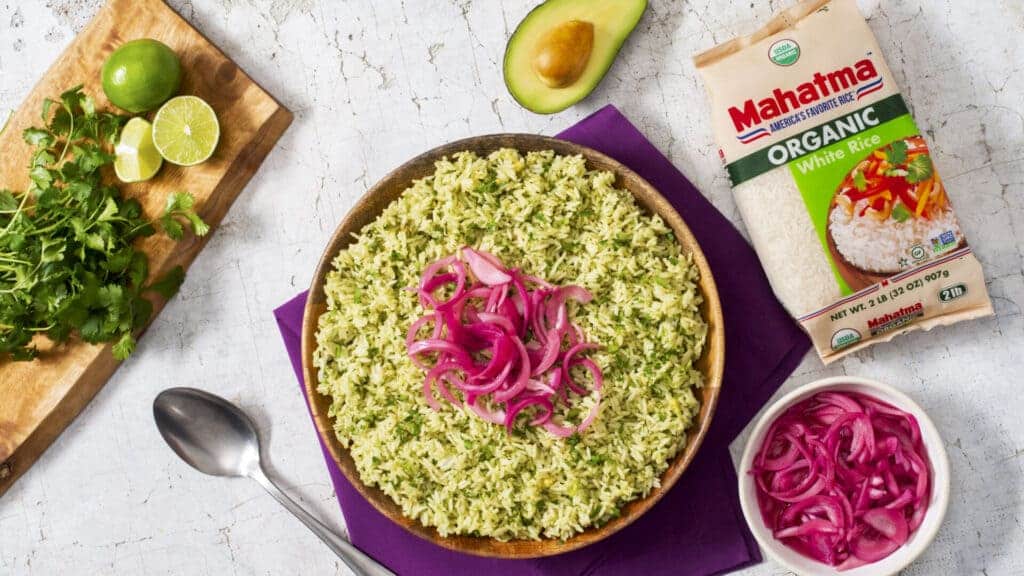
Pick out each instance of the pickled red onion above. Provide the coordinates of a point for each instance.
(843, 478)
(500, 339)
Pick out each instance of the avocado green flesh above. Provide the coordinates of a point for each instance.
(613, 21)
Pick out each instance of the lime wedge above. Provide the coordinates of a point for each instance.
(185, 131)
(135, 157)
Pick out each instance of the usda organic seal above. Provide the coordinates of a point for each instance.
(784, 52)
(845, 337)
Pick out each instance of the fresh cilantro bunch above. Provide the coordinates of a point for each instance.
(67, 258)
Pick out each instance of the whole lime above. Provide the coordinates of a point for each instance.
(141, 75)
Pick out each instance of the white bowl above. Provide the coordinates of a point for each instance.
(919, 540)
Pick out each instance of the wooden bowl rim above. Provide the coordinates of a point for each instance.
(712, 358)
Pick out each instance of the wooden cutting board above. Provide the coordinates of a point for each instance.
(39, 399)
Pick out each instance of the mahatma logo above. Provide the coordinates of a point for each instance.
(784, 52)
(862, 76)
(897, 319)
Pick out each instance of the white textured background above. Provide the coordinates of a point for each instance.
(375, 83)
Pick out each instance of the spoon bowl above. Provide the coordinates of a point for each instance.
(209, 433)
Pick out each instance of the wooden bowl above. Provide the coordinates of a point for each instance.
(390, 188)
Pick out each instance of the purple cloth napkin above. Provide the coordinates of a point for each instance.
(697, 529)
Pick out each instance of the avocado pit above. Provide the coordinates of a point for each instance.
(563, 52)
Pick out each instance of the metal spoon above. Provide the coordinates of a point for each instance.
(215, 437)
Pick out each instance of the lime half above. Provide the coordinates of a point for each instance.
(185, 130)
(135, 157)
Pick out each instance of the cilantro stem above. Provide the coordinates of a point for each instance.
(67, 141)
(49, 228)
(142, 225)
(21, 207)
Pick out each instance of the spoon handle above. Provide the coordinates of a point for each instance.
(360, 563)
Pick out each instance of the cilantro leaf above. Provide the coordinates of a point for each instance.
(138, 269)
(859, 181)
(171, 227)
(92, 329)
(179, 201)
(7, 201)
(900, 213)
(88, 105)
(143, 310)
(169, 284)
(71, 97)
(38, 137)
(118, 262)
(41, 176)
(110, 209)
(898, 153)
(180, 208)
(47, 105)
(919, 169)
(199, 227)
(124, 347)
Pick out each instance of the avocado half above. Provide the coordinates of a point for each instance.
(613, 21)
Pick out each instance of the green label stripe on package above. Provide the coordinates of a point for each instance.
(823, 136)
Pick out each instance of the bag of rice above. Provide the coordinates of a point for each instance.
(836, 186)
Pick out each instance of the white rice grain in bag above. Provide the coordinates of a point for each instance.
(848, 215)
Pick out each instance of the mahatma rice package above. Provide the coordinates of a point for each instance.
(835, 183)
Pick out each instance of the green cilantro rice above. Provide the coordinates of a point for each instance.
(551, 217)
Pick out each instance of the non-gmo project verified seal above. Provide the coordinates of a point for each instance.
(943, 240)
